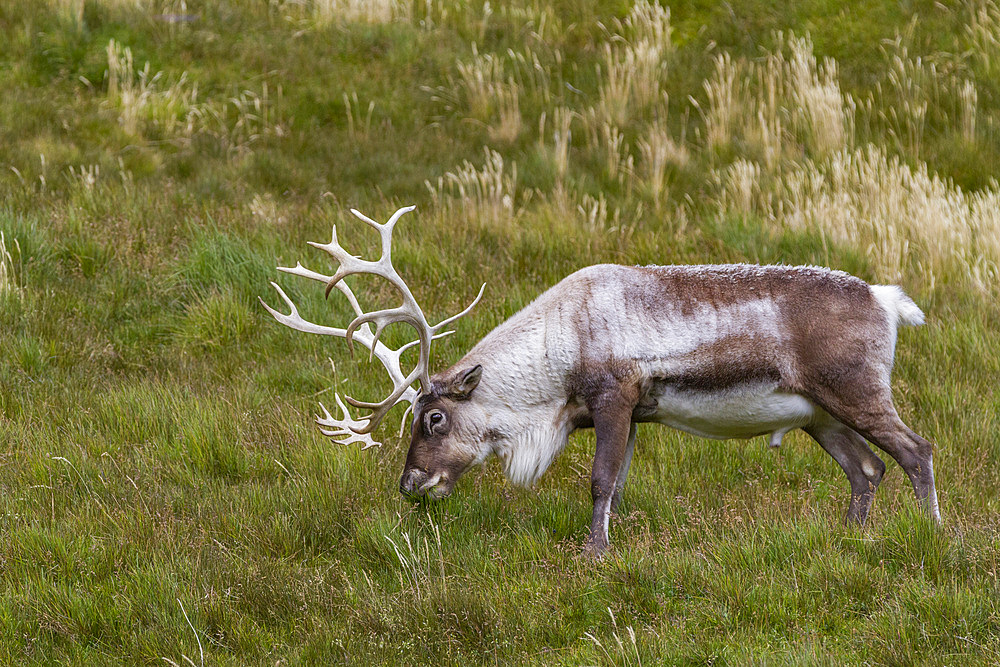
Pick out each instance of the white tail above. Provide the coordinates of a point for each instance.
(900, 307)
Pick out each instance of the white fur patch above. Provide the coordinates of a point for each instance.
(899, 307)
(744, 413)
(530, 451)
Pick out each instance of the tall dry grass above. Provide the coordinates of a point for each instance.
(634, 61)
(173, 112)
(8, 276)
(968, 105)
(488, 193)
(777, 106)
(906, 219)
(562, 138)
(658, 151)
(491, 95)
(983, 32)
(140, 96)
(72, 11)
(815, 91)
(359, 11)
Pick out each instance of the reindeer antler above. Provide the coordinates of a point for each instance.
(359, 430)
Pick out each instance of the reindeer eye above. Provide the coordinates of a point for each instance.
(434, 422)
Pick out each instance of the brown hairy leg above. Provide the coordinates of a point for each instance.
(623, 473)
(615, 434)
(867, 408)
(863, 468)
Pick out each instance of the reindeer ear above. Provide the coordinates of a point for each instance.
(461, 387)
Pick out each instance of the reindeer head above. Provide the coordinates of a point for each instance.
(439, 450)
(446, 438)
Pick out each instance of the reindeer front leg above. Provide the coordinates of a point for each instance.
(613, 423)
(623, 473)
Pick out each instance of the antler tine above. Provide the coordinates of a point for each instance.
(378, 410)
(407, 346)
(348, 430)
(382, 319)
(342, 428)
(389, 357)
(443, 323)
(299, 270)
(296, 321)
(402, 423)
(389, 224)
(399, 390)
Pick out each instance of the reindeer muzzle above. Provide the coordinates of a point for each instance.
(416, 484)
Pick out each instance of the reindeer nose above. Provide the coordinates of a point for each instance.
(411, 480)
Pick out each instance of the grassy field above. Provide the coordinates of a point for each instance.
(164, 495)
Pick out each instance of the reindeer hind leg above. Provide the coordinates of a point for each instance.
(863, 468)
(868, 409)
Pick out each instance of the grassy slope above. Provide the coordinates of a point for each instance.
(157, 445)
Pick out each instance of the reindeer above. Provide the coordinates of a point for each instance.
(720, 351)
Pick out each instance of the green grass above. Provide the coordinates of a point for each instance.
(162, 483)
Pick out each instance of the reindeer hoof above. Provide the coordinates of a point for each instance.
(595, 549)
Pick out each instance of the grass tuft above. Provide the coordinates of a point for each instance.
(8, 275)
(214, 322)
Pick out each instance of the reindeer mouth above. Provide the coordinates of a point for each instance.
(439, 491)
(418, 485)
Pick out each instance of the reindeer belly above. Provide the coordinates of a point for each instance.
(739, 412)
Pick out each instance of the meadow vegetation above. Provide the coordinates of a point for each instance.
(164, 496)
